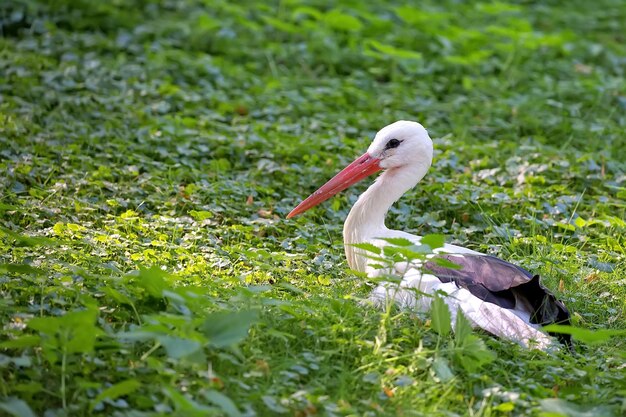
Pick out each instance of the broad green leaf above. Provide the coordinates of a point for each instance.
(470, 351)
(462, 328)
(419, 17)
(45, 325)
(566, 226)
(139, 334)
(153, 280)
(23, 361)
(177, 347)
(556, 407)
(398, 241)
(407, 253)
(614, 221)
(271, 403)
(21, 269)
(75, 331)
(281, 25)
(186, 406)
(227, 328)
(440, 316)
(16, 407)
(117, 296)
(390, 251)
(472, 58)
(207, 23)
(323, 279)
(498, 7)
(306, 11)
(7, 207)
(222, 401)
(474, 354)
(27, 340)
(342, 21)
(391, 51)
(290, 287)
(368, 247)
(411, 15)
(371, 378)
(201, 214)
(506, 407)
(585, 335)
(442, 369)
(129, 214)
(117, 390)
(445, 263)
(434, 241)
(29, 388)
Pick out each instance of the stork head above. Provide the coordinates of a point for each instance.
(400, 144)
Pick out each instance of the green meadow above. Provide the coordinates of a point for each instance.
(150, 151)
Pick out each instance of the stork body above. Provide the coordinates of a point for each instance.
(494, 295)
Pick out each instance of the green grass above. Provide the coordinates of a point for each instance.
(150, 150)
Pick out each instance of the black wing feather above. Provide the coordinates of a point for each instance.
(503, 284)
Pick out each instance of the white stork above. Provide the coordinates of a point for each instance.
(497, 296)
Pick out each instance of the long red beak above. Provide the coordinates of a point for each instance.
(362, 167)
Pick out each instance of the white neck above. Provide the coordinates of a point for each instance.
(366, 220)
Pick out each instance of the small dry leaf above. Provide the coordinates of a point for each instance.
(602, 168)
(583, 69)
(249, 200)
(266, 214)
(263, 366)
(561, 285)
(592, 277)
(309, 410)
(388, 392)
(216, 382)
(344, 404)
(183, 192)
(241, 110)
(375, 406)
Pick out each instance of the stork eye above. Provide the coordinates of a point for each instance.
(393, 143)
